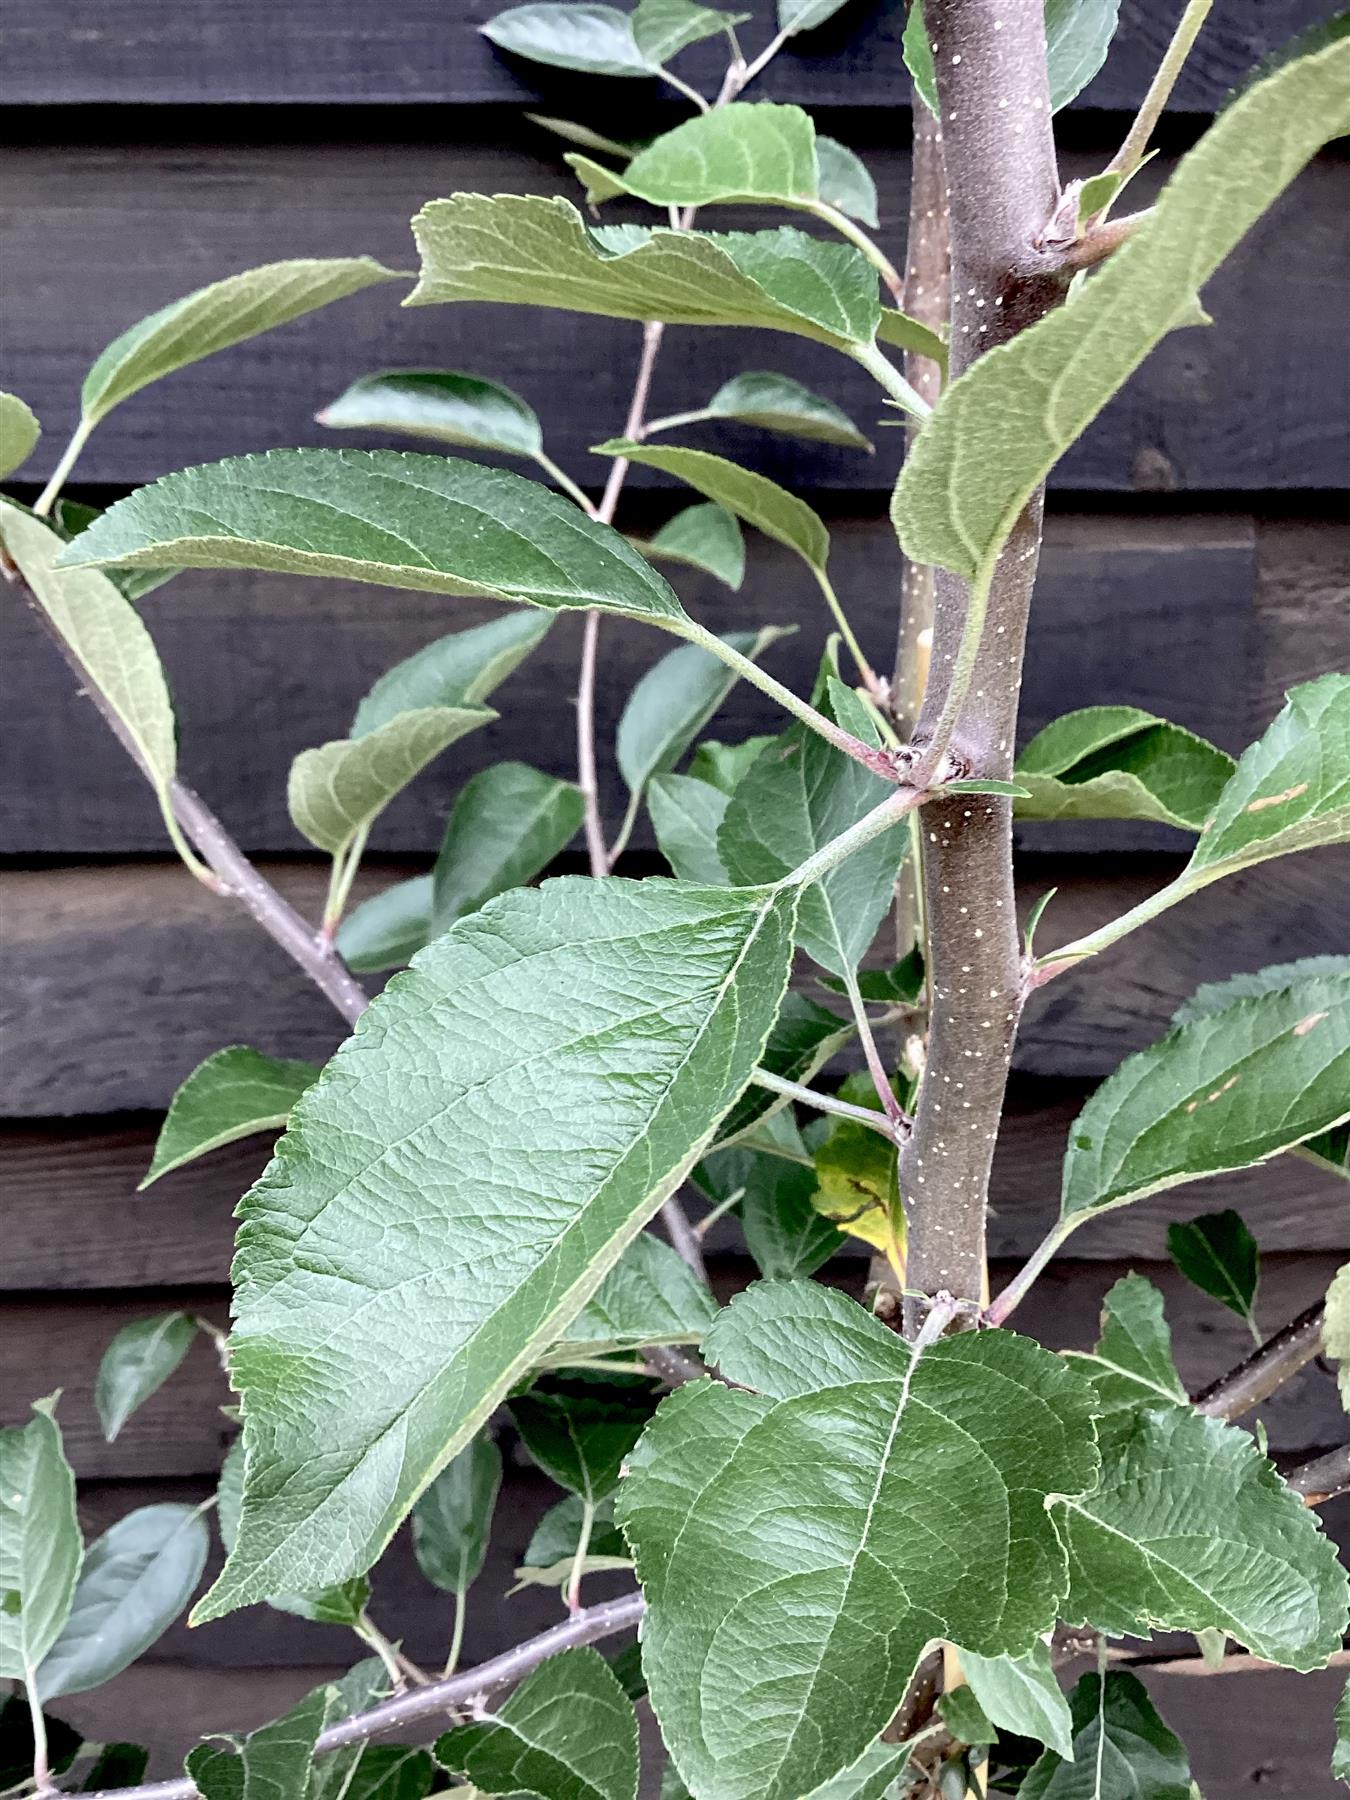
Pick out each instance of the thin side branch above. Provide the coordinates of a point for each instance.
(1277, 1361)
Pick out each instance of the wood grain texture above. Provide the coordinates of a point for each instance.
(250, 692)
(1234, 407)
(310, 51)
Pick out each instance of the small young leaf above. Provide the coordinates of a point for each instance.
(665, 27)
(964, 1717)
(137, 1578)
(580, 1440)
(725, 766)
(784, 1233)
(387, 931)
(1132, 1365)
(1078, 35)
(775, 1653)
(232, 1095)
(1191, 1528)
(461, 669)
(440, 404)
(519, 249)
(508, 822)
(557, 1536)
(1336, 1330)
(1218, 1253)
(674, 700)
(338, 790)
(735, 153)
(452, 1520)
(572, 133)
(904, 333)
(1116, 762)
(138, 1361)
(273, 1761)
(650, 1296)
(754, 498)
(686, 816)
(40, 1544)
(1020, 1694)
(706, 537)
(900, 985)
(1226, 1091)
(595, 40)
(445, 1074)
(568, 1732)
(845, 182)
(435, 524)
(1121, 1749)
(341, 1604)
(242, 306)
(19, 433)
(778, 403)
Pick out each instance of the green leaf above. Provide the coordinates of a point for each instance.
(233, 1094)
(137, 1578)
(117, 1766)
(387, 931)
(1132, 1365)
(544, 988)
(548, 1556)
(1192, 1529)
(874, 1776)
(1020, 1694)
(858, 1182)
(1116, 762)
(778, 403)
(596, 40)
(69, 518)
(799, 795)
(1226, 1091)
(568, 1732)
(735, 153)
(705, 537)
(103, 630)
(899, 985)
(1218, 1254)
(19, 433)
(138, 1361)
(686, 816)
(461, 669)
(804, 1038)
(515, 249)
(725, 766)
(650, 1296)
(663, 28)
(213, 318)
(441, 404)
(1078, 35)
(1000, 428)
(452, 1519)
(273, 1763)
(754, 498)
(805, 15)
(675, 699)
(40, 1544)
(508, 822)
(785, 1536)
(1340, 1755)
(580, 1439)
(572, 133)
(908, 334)
(845, 182)
(1121, 1749)
(341, 1604)
(366, 1771)
(435, 524)
(964, 1717)
(336, 791)
(1336, 1330)
(784, 1233)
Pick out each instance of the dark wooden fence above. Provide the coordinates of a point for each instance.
(1197, 563)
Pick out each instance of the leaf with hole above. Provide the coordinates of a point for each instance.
(40, 1544)
(778, 403)
(544, 989)
(213, 318)
(460, 669)
(1121, 1749)
(1116, 762)
(19, 433)
(508, 822)
(1218, 1254)
(136, 1580)
(138, 1361)
(705, 537)
(234, 1094)
(387, 931)
(452, 1520)
(784, 1529)
(650, 1296)
(520, 250)
(438, 403)
(1078, 35)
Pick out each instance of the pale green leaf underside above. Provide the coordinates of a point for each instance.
(1001, 427)
(1116, 762)
(650, 1296)
(242, 306)
(139, 1360)
(845, 182)
(778, 403)
(705, 537)
(105, 632)
(675, 699)
(231, 1095)
(441, 404)
(526, 250)
(663, 28)
(798, 1549)
(19, 433)
(459, 1181)
(1020, 1694)
(740, 152)
(40, 1544)
(336, 790)
(592, 39)
(460, 669)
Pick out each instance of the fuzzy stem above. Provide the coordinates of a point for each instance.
(1131, 152)
(564, 481)
(69, 457)
(42, 1774)
(855, 649)
(826, 1103)
(884, 372)
(573, 1592)
(891, 810)
(456, 1634)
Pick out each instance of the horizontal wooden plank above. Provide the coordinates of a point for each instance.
(117, 981)
(180, 1432)
(250, 693)
(1235, 407)
(309, 52)
(73, 1218)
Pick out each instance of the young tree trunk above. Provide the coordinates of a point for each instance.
(1002, 191)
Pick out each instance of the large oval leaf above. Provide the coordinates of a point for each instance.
(506, 1118)
(1117, 762)
(508, 822)
(40, 1543)
(431, 523)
